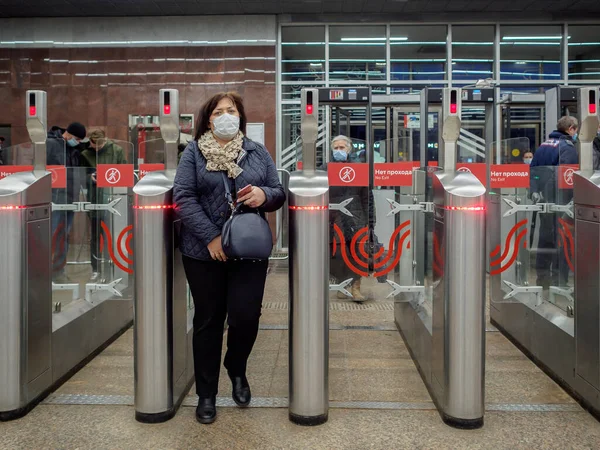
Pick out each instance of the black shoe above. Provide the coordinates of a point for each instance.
(206, 412)
(241, 391)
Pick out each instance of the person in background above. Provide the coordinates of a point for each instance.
(221, 287)
(180, 149)
(559, 149)
(2, 157)
(528, 157)
(362, 211)
(101, 151)
(596, 146)
(61, 150)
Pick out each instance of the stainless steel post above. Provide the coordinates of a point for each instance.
(309, 279)
(459, 279)
(587, 104)
(25, 258)
(162, 372)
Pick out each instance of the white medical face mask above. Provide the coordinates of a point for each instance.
(226, 126)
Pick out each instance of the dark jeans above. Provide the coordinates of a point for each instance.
(235, 289)
(550, 264)
(96, 232)
(62, 222)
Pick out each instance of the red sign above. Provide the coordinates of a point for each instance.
(9, 170)
(115, 175)
(477, 169)
(59, 176)
(395, 174)
(565, 175)
(353, 174)
(145, 168)
(509, 176)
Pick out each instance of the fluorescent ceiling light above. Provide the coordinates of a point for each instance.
(354, 39)
(532, 38)
(316, 64)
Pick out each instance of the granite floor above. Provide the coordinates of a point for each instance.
(378, 398)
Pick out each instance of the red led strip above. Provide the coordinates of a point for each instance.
(464, 208)
(309, 208)
(11, 207)
(154, 207)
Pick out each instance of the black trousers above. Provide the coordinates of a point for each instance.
(234, 289)
(551, 264)
(96, 232)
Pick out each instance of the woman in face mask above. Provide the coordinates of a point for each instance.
(528, 157)
(222, 287)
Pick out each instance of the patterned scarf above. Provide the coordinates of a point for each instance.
(221, 158)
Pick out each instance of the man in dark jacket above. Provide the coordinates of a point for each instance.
(362, 209)
(596, 145)
(61, 150)
(101, 151)
(559, 149)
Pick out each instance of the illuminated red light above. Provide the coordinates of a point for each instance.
(32, 110)
(309, 109)
(154, 207)
(453, 108)
(11, 207)
(167, 109)
(464, 208)
(309, 208)
(592, 108)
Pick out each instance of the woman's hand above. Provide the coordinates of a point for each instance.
(216, 250)
(254, 199)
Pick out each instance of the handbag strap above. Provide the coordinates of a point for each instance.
(228, 195)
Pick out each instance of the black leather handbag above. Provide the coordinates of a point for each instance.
(246, 234)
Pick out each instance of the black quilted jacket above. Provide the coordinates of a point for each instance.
(200, 195)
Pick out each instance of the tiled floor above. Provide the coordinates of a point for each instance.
(366, 365)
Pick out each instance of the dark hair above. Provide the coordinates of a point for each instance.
(203, 122)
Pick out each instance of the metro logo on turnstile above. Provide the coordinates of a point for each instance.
(59, 176)
(115, 175)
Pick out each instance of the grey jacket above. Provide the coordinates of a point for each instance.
(199, 195)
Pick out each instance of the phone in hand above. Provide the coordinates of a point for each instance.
(243, 191)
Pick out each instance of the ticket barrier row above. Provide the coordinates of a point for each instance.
(546, 298)
(446, 339)
(41, 346)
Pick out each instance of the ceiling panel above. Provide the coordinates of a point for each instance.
(83, 8)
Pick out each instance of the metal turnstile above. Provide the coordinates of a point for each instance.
(163, 322)
(562, 337)
(41, 344)
(25, 258)
(309, 279)
(442, 320)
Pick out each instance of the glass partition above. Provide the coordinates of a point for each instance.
(357, 53)
(472, 52)
(532, 229)
(417, 52)
(92, 224)
(303, 53)
(584, 52)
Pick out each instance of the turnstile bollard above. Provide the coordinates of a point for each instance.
(309, 279)
(459, 298)
(458, 338)
(25, 259)
(162, 343)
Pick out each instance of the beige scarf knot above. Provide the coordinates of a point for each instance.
(221, 158)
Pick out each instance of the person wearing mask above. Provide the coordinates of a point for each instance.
(101, 151)
(221, 287)
(559, 149)
(61, 150)
(596, 147)
(528, 157)
(362, 211)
